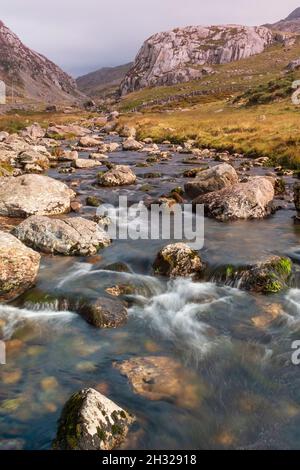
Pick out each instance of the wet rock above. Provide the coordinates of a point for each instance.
(118, 267)
(250, 200)
(267, 277)
(160, 378)
(71, 236)
(33, 132)
(131, 144)
(76, 206)
(213, 179)
(118, 176)
(93, 201)
(83, 163)
(193, 172)
(297, 195)
(178, 260)
(19, 267)
(33, 194)
(90, 421)
(103, 312)
(98, 156)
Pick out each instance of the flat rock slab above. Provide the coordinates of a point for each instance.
(33, 194)
(70, 236)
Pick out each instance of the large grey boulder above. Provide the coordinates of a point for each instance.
(213, 179)
(118, 176)
(250, 200)
(90, 421)
(131, 144)
(70, 236)
(33, 194)
(19, 267)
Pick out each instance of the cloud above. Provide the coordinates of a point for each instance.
(85, 35)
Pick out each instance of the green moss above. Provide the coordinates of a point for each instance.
(273, 287)
(116, 429)
(101, 434)
(229, 271)
(284, 267)
(69, 429)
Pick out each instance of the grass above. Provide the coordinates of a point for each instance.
(245, 107)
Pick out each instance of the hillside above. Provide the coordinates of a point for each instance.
(290, 24)
(102, 82)
(31, 76)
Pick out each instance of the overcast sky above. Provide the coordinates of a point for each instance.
(82, 36)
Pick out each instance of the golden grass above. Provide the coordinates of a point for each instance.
(267, 130)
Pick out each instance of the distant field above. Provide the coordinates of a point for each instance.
(245, 107)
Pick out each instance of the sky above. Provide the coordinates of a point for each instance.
(82, 36)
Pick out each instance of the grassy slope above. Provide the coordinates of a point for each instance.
(216, 120)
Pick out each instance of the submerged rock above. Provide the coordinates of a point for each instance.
(120, 175)
(213, 179)
(33, 194)
(266, 277)
(70, 236)
(250, 200)
(103, 312)
(161, 378)
(178, 260)
(19, 267)
(90, 421)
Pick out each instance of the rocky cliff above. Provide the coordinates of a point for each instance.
(30, 75)
(188, 53)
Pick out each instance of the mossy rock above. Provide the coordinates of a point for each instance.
(90, 421)
(93, 201)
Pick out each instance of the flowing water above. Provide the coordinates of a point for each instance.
(238, 387)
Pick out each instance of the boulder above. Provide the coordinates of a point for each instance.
(33, 194)
(266, 277)
(89, 141)
(33, 132)
(68, 156)
(19, 267)
(71, 236)
(83, 163)
(102, 312)
(33, 157)
(250, 200)
(132, 144)
(178, 260)
(212, 179)
(118, 176)
(90, 421)
(67, 130)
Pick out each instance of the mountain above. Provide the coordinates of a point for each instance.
(184, 54)
(103, 81)
(290, 24)
(31, 76)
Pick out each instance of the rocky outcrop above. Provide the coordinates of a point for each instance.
(178, 260)
(250, 200)
(19, 267)
(213, 179)
(120, 175)
(90, 421)
(188, 53)
(70, 236)
(33, 194)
